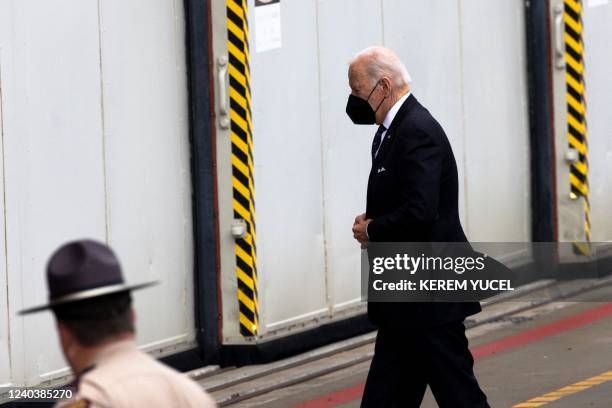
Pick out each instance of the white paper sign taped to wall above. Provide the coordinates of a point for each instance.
(267, 25)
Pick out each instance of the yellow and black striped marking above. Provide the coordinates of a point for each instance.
(576, 113)
(242, 162)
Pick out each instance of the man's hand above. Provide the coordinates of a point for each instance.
(359, 229)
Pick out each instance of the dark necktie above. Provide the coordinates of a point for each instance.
(377, 140)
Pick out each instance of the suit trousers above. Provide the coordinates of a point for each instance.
(406, 361)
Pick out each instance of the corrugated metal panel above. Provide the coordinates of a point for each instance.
(147, 159)
(427, 37)
(5, 359)
(496, 160)
(346, 147)
(467, 59)
(54, 181)
(287, 150)
(96, 145)
(598, 61)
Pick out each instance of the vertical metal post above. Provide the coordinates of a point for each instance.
(543, 203)
(203, 178)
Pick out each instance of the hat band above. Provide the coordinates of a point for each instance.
(90, 293)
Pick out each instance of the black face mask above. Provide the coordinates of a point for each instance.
(360, 111)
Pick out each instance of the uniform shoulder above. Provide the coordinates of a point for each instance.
(92, 394)
(118, 380)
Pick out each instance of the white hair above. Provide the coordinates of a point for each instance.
(381, 61)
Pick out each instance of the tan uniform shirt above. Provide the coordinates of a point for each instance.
(124, 376)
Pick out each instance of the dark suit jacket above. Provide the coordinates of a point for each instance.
(413, 197)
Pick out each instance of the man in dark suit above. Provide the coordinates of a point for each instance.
(412, 197)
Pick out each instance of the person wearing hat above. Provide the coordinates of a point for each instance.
(95, 320)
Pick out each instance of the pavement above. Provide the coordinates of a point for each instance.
(557, 354)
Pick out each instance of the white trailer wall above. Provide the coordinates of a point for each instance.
(288, 172)
(346, 146)
(467, 60)
(598, 60)
(468, 63)
(598, 89)
(95, 144)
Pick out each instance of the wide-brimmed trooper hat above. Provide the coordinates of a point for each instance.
(83, 269)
